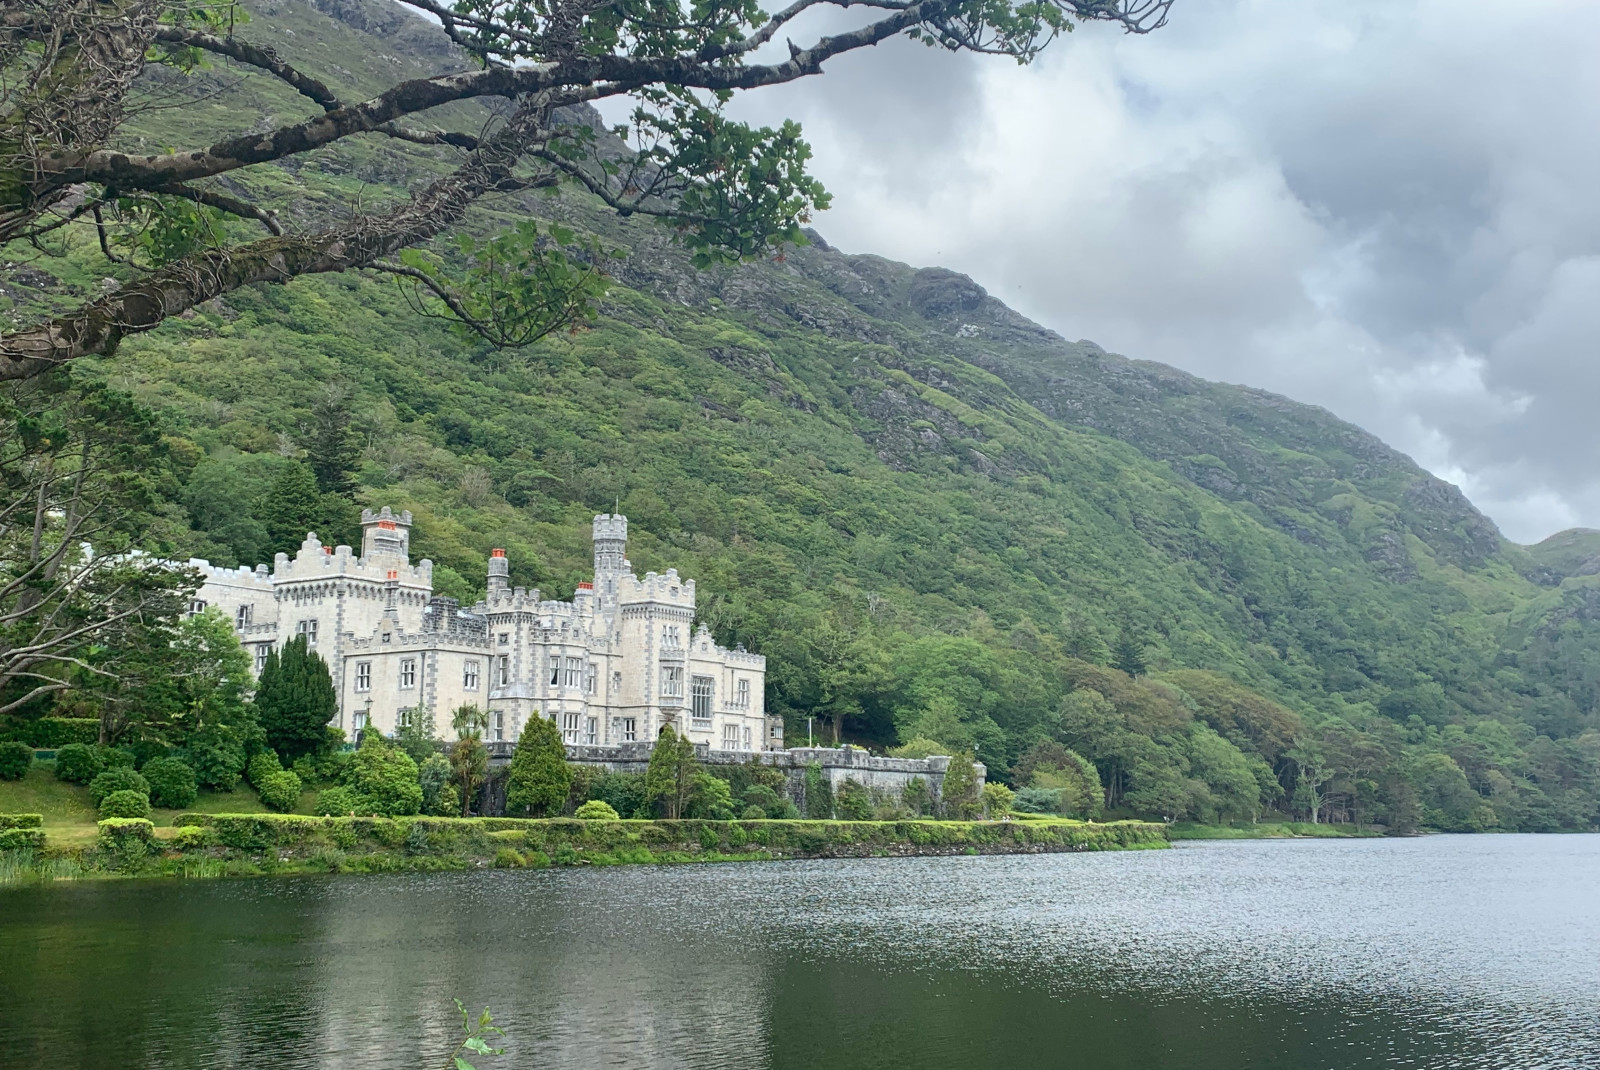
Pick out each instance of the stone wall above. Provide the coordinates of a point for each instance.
(886, 778)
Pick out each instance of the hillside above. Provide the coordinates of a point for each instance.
(935, 517)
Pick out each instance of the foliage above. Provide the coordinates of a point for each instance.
(51, 733)
(475, 1039)
(819, 793)
(1069, 780)
(172, 782)
(710, 798)
(1036, 801)
(294, 700)
(916, 797)
(262, 765)
(415, 737)
(279, 791)
(438, 794)
(119, 778)
(997, 799)
(15, 758)
(342, 801)
(125, 803)
(624, 792)
(469, 760)
(597, 810)
(959, 796)
(919, 748)
(852, 802)
(540, 775)
(386, 776)
(77, 763)
(669, 778)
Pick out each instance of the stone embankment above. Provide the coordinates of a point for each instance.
(215, 845)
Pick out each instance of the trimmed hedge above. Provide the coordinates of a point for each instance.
(21, 839)
(125, 804)
(78, 763)
(49, 733)
(14, 760)
(21, 821)
(120, 778)
(121, 831)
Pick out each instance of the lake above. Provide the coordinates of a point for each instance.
(1447, 951)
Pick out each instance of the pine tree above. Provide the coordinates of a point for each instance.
(670, 775)
(295, 700)
(292, 507)
(540, 775)
(1128, 653)
(331, 445)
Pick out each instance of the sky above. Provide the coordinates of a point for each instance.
(1390, 208)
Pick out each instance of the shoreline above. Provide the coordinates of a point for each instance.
(204, 846)
(1279, 830)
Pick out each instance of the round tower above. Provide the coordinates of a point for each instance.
(499, 574)
(610, 555)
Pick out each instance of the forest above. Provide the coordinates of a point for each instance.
(1124, 590)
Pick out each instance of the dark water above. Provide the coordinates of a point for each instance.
(1471, 952)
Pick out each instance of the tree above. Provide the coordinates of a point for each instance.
(165, 219)
(540, 775)
(469, 761)
(959, 795)
(291, 508)
(385, 776)
(1127, 653)
(331, 445)
(295, 700)
(80, 471)
(670, 775)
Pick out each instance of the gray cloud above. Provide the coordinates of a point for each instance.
(1385, 208)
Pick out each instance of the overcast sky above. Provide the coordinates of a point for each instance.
(1388, 208)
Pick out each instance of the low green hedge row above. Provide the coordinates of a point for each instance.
(14, 839)
(486, 836)
(21, 821)
(48, 733)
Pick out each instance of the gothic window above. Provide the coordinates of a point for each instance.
(262, 652)
(469, 674)
(700, 690)
(503, 671)
(591, 731)
(743, 695)
(672, 681)
(363, 676)
(241, 617)
(630, 729)
(746, 737)
(499, 725)
(574, 675)
(590, 675)
(730, 737)
(569, 727)
(408, 672)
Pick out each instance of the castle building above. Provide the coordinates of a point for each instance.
(612, 666)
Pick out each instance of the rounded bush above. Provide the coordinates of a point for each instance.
(342, 801)
(172, 782)
(122, 778)
(262, 766)
(78, 763)
(279, 791)
(753, 813)
(14, 760)
(114, 757)
(125, 804)
(597, 810)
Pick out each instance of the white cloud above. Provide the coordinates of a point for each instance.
(1384, 208)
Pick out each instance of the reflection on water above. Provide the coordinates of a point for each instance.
(1464, 952)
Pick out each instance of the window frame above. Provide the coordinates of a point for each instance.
(363, 677)
(408, 674)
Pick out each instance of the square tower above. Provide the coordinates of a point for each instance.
(386, 536)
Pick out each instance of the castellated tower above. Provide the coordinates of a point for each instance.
(499, 575)
(385, 534)
(610, 555)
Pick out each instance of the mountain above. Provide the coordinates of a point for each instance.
(936, 517)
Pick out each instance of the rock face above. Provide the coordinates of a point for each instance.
(938, 292)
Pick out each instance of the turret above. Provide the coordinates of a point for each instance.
(499, 574)
(387, 535)
(610, 555)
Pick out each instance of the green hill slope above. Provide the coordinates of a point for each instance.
(934, 516)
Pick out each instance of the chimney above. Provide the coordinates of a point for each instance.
(499, 574)
(391, 596)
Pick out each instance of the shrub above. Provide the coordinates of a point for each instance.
(710, 798)
(145, 751)
(1037, 801)
(14, 760)
(172, 782)
(753, 813)
(121, 778)
(438, 796)
(916, 796)
(262, 766)
(997, 799)
(21, 839)
(125, 804)
(386, 775)
(920, 747)
(508, 858)
(279, 791)
(78, 763)
(21, 821)
(624, 791)
(53, 733)
(342, 801)
(123, 831)
(853, 802)
(115, 757)
(596, 810)
(216, 754)
(819, 794)
(540, 775)
(960, 792)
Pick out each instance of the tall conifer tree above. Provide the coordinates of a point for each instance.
(295, 700)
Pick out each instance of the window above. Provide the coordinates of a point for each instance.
(700, 698)
(363, 676)
(262, 651)
(197, 606)
(241, 617)
(730, 737)
(671, 638)
(408, 672)
(630, 730)
(307, 628)
(469, 674)
(672, 681)
(742, 695)
(574, 675)
(569, 727)
(590, 675)
(499, 725)
(555, 670)
(503, 671)
(591, 731)
(746, 737)
(408, 717)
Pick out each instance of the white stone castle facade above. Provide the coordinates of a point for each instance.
(609, 667)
